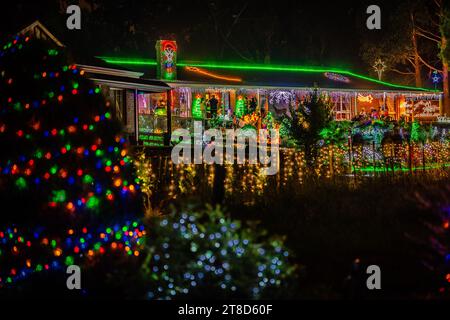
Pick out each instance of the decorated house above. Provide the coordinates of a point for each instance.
(153, 97)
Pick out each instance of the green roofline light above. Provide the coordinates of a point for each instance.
(127, 61)
(261, 67)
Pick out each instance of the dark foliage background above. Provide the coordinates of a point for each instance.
(287, 31)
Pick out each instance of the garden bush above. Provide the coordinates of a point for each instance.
(203, 253)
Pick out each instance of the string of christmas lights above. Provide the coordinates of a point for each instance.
(64, 162)
(213, 253)
(62, 252)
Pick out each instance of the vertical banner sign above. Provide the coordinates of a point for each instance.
(166, 58)
(130, 115)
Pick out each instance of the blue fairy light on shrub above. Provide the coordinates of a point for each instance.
(225, 258)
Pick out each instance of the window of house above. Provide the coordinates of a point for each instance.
(152, 112)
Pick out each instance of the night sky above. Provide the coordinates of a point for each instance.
(327, 33)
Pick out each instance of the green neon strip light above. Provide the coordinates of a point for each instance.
(133, 62)
(261, 67)
(404, 169)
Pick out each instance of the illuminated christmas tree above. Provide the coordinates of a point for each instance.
(418, 133)
(67, 187)
(240, 107)
(197, 112)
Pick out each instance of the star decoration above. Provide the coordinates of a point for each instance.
(379, 66)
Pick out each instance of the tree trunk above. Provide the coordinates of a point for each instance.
(444, 58)
(446, 99)
(417, 64)
(417, 71)
(267, 58)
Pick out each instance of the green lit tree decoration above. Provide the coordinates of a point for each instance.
(197, 112)
(268, 121)
(240, 107)
(418, 133)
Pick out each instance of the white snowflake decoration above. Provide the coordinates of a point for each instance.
(277, 97)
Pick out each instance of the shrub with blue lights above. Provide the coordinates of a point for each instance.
(203, 253)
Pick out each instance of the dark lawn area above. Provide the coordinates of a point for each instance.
(337, 228)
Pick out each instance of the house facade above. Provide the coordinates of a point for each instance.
(153, 97)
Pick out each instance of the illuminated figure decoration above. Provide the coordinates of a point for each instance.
(161, 110)
(367, 99)
(425, 109)
(336, 77)
(379, 66)
(443, 119)
(166, 56)
(213, 75)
